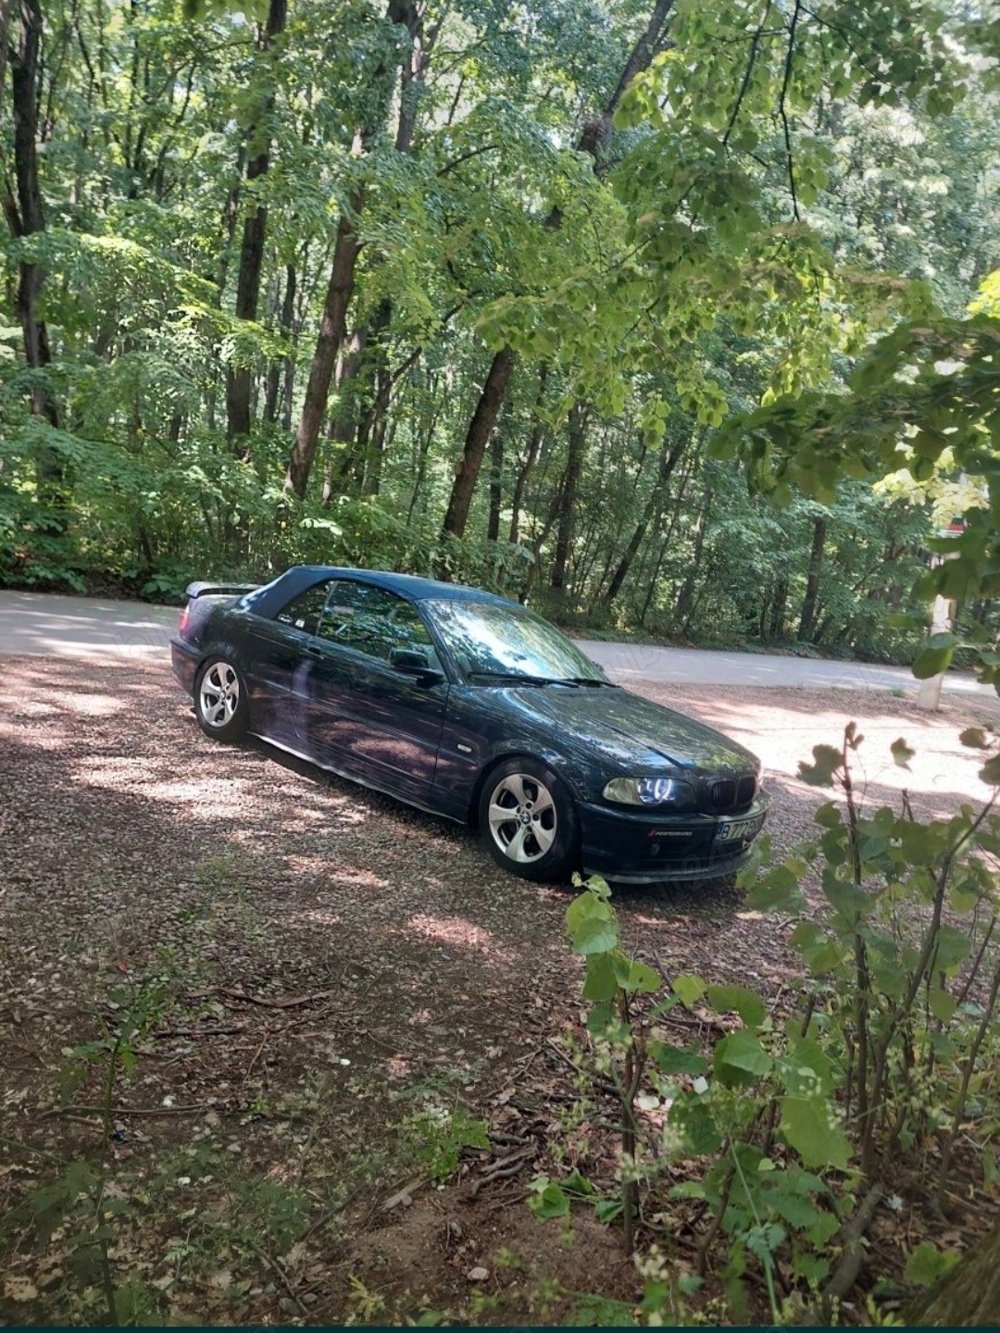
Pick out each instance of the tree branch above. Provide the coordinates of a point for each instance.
(751, 61)
(781, 106)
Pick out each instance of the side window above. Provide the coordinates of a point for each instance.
(373, 621)
(303, 612)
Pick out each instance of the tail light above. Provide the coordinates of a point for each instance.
(182, 624)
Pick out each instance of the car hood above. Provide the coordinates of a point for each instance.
(630, 730)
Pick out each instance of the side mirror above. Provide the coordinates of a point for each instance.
(414, 662)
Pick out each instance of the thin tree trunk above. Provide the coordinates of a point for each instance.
(343, 420)
(687, 602)
(274, 375)
(429, 417)
(375, 444)
(365, 396)
(496, 487)
(476, 439)
(807, 624)
(239, 378)
(26, 216)
(530, 458)
(668, 461)
(779, 604)
(332, 332)
(567, 498)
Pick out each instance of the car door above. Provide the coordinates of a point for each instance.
(279, 656)
(372, 720)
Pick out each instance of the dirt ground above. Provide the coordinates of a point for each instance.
(323, 970)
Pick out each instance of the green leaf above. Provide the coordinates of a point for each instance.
(764, 1240)
(636, 977)
(606, 1210)
(941, 1004)
(548, 1199)
(927, 1263)
(828, 816)
(810, 1127)
(688, 989)
(600, 1018)
(593, 935)
(807, 1071)
(577, 1183)
(677, 1060)
(953, 947)
(587, 907)
(932, 661)
(901, 752)
(740, 1059)
(600, 982)
(750, 1007)
(692, 1121)
(777, 891)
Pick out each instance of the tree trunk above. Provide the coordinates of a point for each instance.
(375, 443)
(343, 420)
(530, 458)
(476, 439)
(968, 1296)
(274, 375)
(332, 332)
(239, 379)
(496, 487)
(687, 602)
(668, 461)
(26, 216)
(807, 624)
(567, 498)
(364, 397)
(593, 139)
(779, 604)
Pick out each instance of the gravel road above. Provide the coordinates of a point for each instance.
(53, 626)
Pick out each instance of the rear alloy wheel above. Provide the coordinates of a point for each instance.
(220, 700)
(528, 820)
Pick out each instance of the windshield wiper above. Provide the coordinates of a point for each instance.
(593, 681)
(514, 678)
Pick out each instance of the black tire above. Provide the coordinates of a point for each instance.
(540, 840)
(221, 704)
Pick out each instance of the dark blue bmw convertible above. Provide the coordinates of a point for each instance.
(473, 707)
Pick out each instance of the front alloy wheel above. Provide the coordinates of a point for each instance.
(220, 700)
(528, 820)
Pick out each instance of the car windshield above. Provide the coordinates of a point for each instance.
(495, 644)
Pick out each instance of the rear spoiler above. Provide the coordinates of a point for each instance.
(194, 590)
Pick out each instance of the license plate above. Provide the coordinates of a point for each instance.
(739, 830)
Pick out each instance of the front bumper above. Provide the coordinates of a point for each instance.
(650, 847)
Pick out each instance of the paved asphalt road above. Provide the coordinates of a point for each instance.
(40, 624)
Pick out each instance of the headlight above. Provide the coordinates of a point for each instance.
(650, 791)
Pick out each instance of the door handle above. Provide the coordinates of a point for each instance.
(311, 651)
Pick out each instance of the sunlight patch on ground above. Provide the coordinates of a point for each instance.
(216, 796)
(456, 930)
(91, 705)
(17, 733)
(317, 917)
(30, 707)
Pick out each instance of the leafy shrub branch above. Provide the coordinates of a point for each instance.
(781, 1132)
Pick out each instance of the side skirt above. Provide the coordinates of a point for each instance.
(360, 782)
